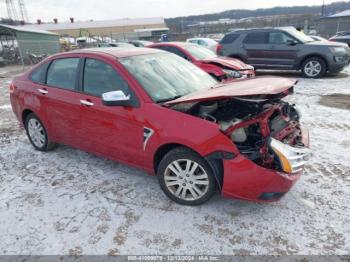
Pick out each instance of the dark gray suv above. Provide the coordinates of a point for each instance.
(285, 49)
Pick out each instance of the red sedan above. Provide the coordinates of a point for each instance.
(153, 110)
(220, 67)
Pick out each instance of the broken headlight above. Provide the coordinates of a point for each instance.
(292, 159)
(232, 73)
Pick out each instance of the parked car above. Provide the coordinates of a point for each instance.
(141, 43)
(285, 48)
(221, 68)
(115, 44)
(205, 42)
(342, 37)
(156, 111)
(318, 38)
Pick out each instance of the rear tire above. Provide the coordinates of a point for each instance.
(186, 178)
(314, 67)
(37, 134)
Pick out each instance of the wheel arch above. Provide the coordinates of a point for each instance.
(25, 113)
(216, 164)
(314, 55)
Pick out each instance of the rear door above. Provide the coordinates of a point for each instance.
(113, 131)
(58, 99)
(257, 49)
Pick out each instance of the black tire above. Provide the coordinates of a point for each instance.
(47, 144)
(320, 61)
(184, 154)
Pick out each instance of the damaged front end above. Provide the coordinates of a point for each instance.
(265, 129)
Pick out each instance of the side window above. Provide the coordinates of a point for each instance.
(279, 38)
(229, 39)
(62, 73)
(176, 51)
(39, 74)
(100, 78)
(256, 38)
(202, 43)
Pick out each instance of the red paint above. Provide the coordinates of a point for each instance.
(212, 66)
(117, 132)
(265, 85)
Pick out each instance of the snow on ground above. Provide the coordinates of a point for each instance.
(70, 202)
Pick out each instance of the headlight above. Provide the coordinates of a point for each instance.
(292, 159)
(232, 73)
(337, 49)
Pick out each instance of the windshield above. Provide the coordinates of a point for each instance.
(166, 76)
(199, 53)
(300, 36)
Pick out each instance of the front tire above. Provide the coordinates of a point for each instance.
(314, 67)
(37, 134)
(186, 178)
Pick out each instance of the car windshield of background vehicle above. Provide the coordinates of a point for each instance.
(166, 76)
(300, 36)
(200, 53)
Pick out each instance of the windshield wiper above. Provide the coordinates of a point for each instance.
(168, 99)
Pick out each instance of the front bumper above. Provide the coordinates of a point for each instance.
(243, 179)
(338, 63)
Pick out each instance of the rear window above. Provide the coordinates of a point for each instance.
(229, 39)
(62, 73)
(39, 74)
(256, 38)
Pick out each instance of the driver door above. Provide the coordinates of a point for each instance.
(112, 131)
(283, 49)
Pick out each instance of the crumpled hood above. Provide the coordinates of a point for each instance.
(229, 62)
(260, 86)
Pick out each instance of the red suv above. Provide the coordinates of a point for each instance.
(156, 111)
(220, 67)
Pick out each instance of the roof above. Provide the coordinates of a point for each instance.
(24, 29)
(117, 52)
(151, 29)
(174, 44)
(97, 24)
(343, 14)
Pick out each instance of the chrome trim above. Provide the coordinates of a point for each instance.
(86, 103)
(147, 133)
(43, 91)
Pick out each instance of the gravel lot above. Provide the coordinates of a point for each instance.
(71, 202)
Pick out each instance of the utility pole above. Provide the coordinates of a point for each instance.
(323, 11)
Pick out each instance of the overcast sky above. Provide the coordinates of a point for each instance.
(114, 9)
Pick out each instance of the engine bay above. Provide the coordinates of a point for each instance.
(251, 123)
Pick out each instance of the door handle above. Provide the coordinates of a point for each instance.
(86, 103)
(43, 91)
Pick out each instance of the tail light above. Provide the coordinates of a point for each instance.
(218, 49)
(12, 88)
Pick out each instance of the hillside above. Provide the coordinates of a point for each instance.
(240, 13)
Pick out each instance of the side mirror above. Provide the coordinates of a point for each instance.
(292, 42)
(116, 98)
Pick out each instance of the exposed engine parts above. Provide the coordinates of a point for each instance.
(251, 124)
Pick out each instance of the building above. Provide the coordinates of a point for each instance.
(106, 28)
(332, 24)
(17, 43)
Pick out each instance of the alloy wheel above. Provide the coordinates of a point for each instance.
(186, 179)
(36, 132)
(313, 68)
